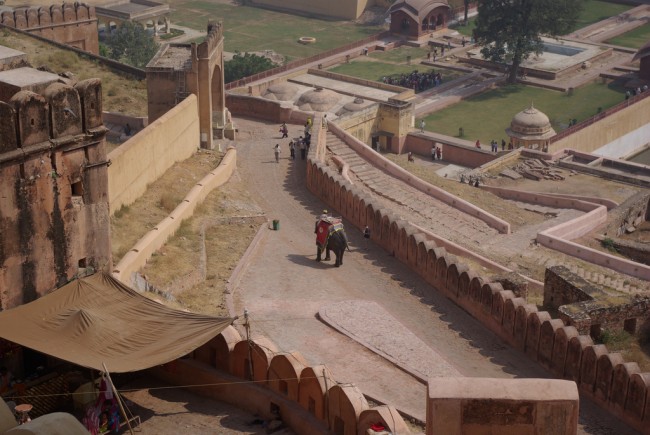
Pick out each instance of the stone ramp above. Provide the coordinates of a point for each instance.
(411, 204)
(369, 324)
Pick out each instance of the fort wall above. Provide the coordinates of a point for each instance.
(73, 24)
(310, 400)
(54, 213)
(142, 159)
(551, 343)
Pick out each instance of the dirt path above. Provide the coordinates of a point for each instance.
(284, 287)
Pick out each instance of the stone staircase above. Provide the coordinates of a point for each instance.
(411, 204)
(614, 283)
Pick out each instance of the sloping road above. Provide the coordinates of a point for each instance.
(283, 289)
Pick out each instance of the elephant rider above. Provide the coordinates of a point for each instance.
(321, 239)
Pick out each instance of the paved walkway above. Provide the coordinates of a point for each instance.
(283, 289)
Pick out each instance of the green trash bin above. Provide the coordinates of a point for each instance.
(276, 224)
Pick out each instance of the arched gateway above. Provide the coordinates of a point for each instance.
(416, 18)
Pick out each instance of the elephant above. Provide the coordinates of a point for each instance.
(336, 241)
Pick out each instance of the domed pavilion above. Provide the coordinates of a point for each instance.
(532, 129)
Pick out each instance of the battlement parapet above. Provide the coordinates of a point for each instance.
(212, 40)
(61, 111)
(44, 16)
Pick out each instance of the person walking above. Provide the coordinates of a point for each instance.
(276, 151)
(284, 130)
(366, 236)
(303, 148)
(422, 125)
(292, 150)
(325, 123)
(433, 153)
(439, 153)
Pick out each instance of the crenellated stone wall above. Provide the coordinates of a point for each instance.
(54, 189)
(551, 343)
(73, 24)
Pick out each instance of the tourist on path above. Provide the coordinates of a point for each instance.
(324, 123)
(284, 130)
(276, 151)
(303, 148)
(292, 150)
(422, 125)
(439, 153)
(433, 152)
(478, 144)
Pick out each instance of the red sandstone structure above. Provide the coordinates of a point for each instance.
(54, 209)
(416, 18)
(73, 24)
(178, 70)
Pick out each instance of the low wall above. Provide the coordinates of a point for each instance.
(142, 159)
(559, 237)
(613, 384)
(396, 171)
(308, 399)
(138, 256)
(453, 152)
(268, 110)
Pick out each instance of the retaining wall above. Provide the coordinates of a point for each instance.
(452, 151)
(138, 256)
(142, 159)
(548, 341)
(396, 171)
(559, 237)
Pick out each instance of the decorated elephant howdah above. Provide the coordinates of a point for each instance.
(330, 236)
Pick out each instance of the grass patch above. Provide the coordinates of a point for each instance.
(468, 29)
(375, 71)
(597, 10)
(635, 38)
(486, 116)
(173, 33)
(120, 92)
(399, 55)
(252, 29)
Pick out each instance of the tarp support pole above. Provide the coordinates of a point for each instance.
(119, 399)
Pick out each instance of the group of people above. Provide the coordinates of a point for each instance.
(636, 91)
(418, 81)
(302, 143)
(494, 145)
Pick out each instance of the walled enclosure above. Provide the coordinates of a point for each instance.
(590, 308)
(54, 213)
(73, 24)
(616, 386)
(142, 159)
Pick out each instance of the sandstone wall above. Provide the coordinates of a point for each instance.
(308, 398)
(616, 386)
(53, 184)
(142, 159)
(614, 123)
(73, 24)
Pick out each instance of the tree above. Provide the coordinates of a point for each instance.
(244, 65)
(132, 44)
(510, 30)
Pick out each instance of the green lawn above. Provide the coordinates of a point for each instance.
(592, 12)
(487, 115)
(635, 38)
(254, 29)
(399, 55)
(598, 10)
(374, 71)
